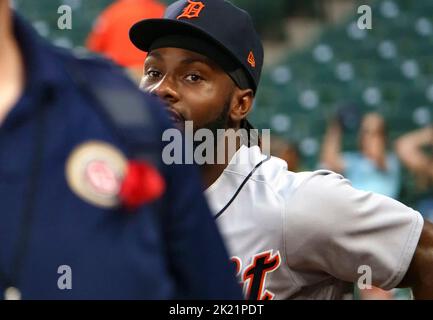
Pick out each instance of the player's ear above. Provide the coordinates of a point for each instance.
(242, 103)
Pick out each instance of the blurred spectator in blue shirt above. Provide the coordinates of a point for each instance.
(373, 167)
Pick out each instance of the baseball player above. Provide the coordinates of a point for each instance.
(290, 235)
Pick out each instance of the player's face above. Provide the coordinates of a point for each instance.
(193, 87)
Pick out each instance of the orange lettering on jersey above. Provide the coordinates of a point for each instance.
(192, 10)
(255, 275)
(238, 265)
(252, 59)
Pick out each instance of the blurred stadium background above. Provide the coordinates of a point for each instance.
(317, 61)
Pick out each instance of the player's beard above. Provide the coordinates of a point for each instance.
(221, 122)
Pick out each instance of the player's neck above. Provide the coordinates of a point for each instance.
(11, 63)
(211, 172)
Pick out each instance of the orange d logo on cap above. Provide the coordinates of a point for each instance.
(192, 10)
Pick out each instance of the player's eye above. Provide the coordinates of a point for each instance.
(193, 78)
(153, 74)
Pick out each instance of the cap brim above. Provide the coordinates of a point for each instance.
(144, 33)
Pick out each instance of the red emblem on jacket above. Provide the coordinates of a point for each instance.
(142, 184)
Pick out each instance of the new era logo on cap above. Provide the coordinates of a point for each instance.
(192, 10)
(251, 60)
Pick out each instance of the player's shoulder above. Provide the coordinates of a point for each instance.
(322, 177)
(317, 184)
(313, 200)
(306, 194)
(274, 172)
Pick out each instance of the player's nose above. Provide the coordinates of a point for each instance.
(165, 90)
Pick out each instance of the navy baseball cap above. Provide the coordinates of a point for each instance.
(215, 28)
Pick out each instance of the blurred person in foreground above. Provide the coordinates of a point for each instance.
(412, 148)
(109, 35)
(290, 235)
(88, 211)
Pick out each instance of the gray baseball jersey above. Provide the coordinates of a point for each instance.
(308, 235)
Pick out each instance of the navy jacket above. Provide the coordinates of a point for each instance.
(166, 249)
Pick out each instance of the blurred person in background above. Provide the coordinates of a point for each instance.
(88, 210)
(372, 168)
(412, 150)
(287, 151)
(109, 36)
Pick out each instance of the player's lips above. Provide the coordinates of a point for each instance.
(177, 118)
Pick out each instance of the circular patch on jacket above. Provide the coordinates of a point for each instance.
(95, 171)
